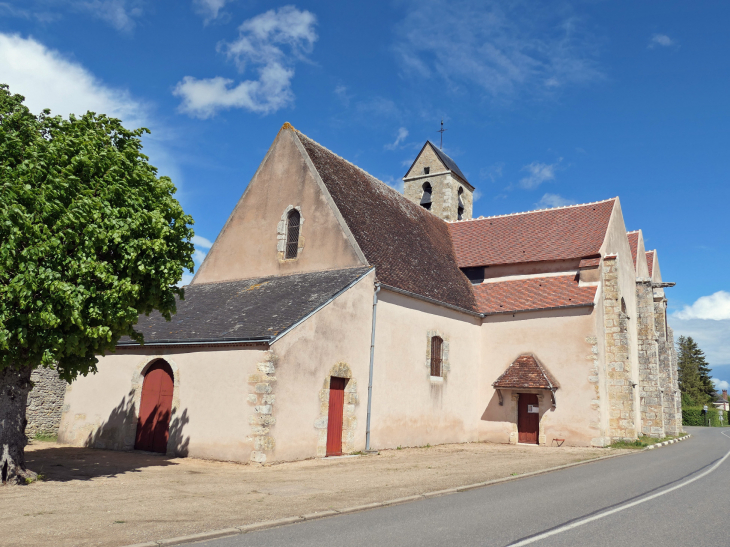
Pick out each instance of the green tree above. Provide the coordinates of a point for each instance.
(695, 382)
(90, 237)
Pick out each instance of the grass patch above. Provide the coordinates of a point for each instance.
(643, 442)
(45, 437)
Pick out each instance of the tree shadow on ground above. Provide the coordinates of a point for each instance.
(66, 463)
(108, 450)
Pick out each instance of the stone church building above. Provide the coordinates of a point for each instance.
(334, 314)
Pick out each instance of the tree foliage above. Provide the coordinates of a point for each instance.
(90, 237)
(695, 381)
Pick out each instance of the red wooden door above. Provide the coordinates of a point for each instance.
(334, 418)
(154, 409)
(528, 418)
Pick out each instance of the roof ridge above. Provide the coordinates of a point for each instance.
(396, 192)
(633, 231)
(535, 211)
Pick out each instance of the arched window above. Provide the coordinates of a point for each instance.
(436, 355)
(292, 233)
(460, 210)
(426, 197)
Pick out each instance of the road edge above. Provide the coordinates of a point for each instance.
(237, 530)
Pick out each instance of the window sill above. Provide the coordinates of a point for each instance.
(437, 379)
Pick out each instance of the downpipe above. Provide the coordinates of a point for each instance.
(370, 376)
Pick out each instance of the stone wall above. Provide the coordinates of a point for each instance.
(667, 368)
(45, 402)
(618, 365)
(445, 187)
(650, 393)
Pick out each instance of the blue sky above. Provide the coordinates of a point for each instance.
(545, 104)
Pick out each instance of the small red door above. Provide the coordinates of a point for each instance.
(528, 418)
(155, 408)
(334, 418)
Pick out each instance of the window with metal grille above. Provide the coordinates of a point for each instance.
(436, 357)
(292, 233)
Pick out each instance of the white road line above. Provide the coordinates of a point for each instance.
(586, 520)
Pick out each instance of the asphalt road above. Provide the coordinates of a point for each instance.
(687, 485)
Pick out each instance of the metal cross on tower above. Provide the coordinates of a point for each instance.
(441, 147)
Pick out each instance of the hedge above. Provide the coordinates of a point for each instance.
(694, 416)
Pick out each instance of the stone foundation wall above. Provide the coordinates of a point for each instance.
(45, 402)
(650, 393)
(618, 365)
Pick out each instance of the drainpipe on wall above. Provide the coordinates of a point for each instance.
(370, 377)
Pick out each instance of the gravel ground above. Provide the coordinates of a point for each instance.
(101, 497)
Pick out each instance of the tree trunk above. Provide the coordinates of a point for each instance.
(15, 385)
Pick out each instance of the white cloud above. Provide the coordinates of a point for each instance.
(260, 43)
(48, 80)
(715, 306)
(187, 277)
(342, 95)
(396, 184)
(121, 14)
(537, 173)
(660, 40)
(493, 172)
(553, 200)
(720, 384)
(504, 48)
(402, 134)
(712, 336)
(209, 9)
(202, 242)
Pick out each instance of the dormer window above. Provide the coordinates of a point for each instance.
(292, 234)
(460, 210)
(426, 170)
(426, 197)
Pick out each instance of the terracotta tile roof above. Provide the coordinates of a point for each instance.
(410, 248)
(650, 262)
(634, 244)
(526, 372)
(589, 262)
(534, 293)
(575, 231)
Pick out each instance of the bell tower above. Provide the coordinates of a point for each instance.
(436, 183)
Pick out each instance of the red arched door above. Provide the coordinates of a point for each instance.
(155, 408)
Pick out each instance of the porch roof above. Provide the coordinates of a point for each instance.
(526, 372)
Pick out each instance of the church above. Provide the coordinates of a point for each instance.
(335, 315)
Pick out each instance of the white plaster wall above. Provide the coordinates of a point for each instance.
(559, 340)
(211, 419)
(409, 408)
(339, 333)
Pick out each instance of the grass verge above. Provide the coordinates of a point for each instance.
(643, 442)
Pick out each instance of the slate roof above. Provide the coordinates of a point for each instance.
(445, 159)
(536, 293)
(526, 372)
(244, 310)
(650, 262)
(634, 244)
(448, 162)
(410, 248)
(576, 231)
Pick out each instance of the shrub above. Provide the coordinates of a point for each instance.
(694, 416)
